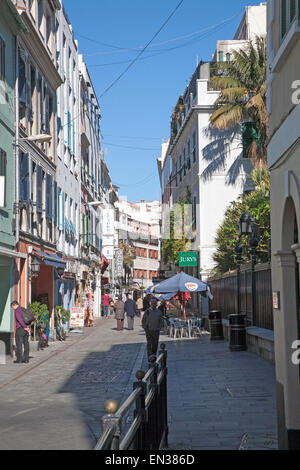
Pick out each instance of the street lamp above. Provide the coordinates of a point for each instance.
(237, 322)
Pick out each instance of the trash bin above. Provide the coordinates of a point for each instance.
(237, 333)
(215, 325)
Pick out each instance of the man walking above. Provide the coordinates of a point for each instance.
(152, 322)
(22, 335)
(130, 310)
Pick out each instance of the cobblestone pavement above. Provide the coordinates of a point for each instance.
(217, 399)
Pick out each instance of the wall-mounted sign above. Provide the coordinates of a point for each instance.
(108, 222)
(188, 258)
(276, 300)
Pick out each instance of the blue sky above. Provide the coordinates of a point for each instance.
(136, 111)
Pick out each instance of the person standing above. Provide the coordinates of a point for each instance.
(130, 310)
(120, 313)
(105, 303)
(139, 304)
(152, 322)
(22, 335)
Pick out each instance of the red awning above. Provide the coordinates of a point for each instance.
(104, 264)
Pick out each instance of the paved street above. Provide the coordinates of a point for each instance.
(217, 399)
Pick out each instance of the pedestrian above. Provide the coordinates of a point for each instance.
(22, 334)
(139, 304)
(120, 313)
(146, 302)
(111, 308)
(152, 323)
(130, 310)
(105, 303)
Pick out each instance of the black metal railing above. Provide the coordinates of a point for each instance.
(224, 290)
(149, 428)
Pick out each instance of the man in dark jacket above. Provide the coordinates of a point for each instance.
(152, 322)
(22, 334)
(130, 310)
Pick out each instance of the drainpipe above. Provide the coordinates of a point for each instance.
(17, 209)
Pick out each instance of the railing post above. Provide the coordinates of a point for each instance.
(109, 419)
(153, 418)
(141, 440)
(164, 393)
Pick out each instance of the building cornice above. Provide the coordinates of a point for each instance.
(38, 51)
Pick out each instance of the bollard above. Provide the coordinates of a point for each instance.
(215, 325)
(237, 333)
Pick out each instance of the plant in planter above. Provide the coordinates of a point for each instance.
(41, 313)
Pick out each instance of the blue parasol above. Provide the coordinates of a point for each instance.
(181, 282)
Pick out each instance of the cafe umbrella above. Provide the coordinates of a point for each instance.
(181, 282)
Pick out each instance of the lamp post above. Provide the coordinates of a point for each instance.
(237, 321)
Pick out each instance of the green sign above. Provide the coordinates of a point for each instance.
(188, 258)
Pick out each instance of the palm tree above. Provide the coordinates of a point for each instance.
(242, 100)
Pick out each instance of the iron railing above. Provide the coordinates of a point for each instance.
(149, 428)
(224, 290)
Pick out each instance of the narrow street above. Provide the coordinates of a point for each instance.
(59, 404)
(217, 399)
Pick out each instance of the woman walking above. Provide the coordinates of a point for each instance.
(120, 313)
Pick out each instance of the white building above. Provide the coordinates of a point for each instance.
(253, 23)
(68, 159)
(139, 226)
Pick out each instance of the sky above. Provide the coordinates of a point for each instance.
(136, 110)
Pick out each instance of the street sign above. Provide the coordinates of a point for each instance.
(188, 258)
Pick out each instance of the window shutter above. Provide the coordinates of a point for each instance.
(24, 177)
(62, 210)
(69, 130)
(39, 189)
(2, 59)
(65, 127)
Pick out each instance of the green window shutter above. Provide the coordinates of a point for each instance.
(221, 56)
(249, 134)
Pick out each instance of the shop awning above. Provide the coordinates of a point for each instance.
(50, 260)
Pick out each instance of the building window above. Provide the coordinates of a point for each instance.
(194, 147)
(2, 178)
(289, 10)
(249, 135)
(228, 56)
(2, 59)
(221, 56)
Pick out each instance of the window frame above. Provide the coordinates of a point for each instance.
(288, 20)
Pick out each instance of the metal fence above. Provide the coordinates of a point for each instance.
(224, 290)
(149, 429)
